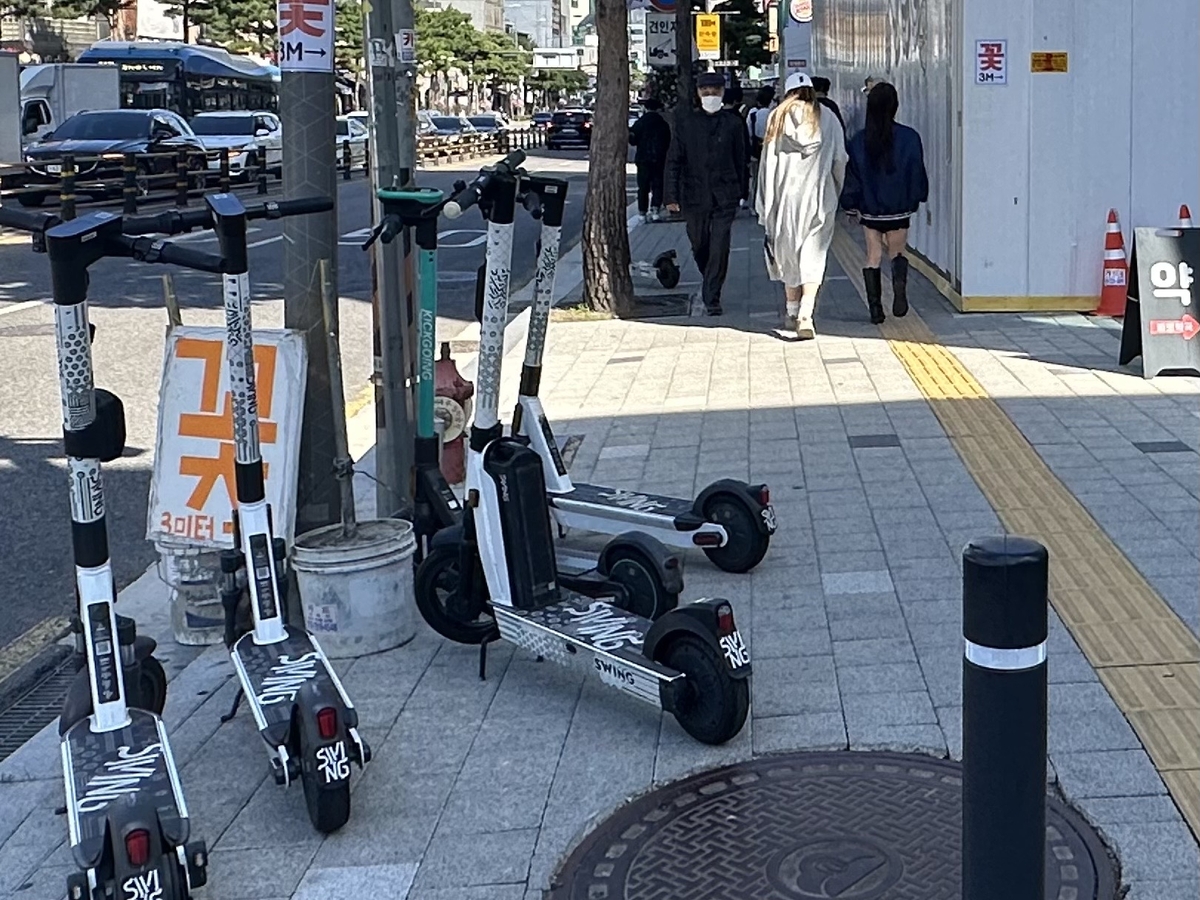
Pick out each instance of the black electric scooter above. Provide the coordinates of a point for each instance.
(649, 576)
(731, 521)
(126, 815)
(298, 703)
(691, 661)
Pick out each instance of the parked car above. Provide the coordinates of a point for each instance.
(569, 128)
(542, 119)
(99, 141)
(488, 122)
(244, 135)
(634, 115)
(352, 129)
(453, 127)
(425, 126)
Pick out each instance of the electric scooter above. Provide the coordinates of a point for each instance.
(650, 576)
(691, 661)
(126, 815)
(731, 521)
(299, 705)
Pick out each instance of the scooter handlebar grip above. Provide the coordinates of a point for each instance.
(173, 221)
(281, 209)
(22, 221)
(174, 255)
(452, 210)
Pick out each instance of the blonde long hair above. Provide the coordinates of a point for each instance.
(806, 99)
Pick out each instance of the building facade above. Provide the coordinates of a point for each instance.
(486, 15)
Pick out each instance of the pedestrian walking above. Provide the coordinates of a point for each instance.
(707, 177)
(756, 127)
(651, 136)
(800, 180)
(885, 184)
(821, 86)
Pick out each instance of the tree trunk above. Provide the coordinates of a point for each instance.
(606, 281)
(685, 82)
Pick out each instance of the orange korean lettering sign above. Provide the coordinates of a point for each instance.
(305, 35)
(193, 489)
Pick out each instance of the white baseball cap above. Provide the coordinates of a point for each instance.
(797, 80)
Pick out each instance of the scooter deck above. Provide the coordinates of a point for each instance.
(580, 630)
(273, 674)
(617, 503)
(115, 767)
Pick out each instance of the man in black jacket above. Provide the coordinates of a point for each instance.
(707, 177)
(651, 135)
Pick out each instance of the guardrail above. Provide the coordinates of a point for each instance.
(136, 179)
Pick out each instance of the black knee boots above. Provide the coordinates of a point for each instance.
(874, 283)
(900, 286)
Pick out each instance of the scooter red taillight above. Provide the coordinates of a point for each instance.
(137, 847)
(327, 723)
(725, 624)
(764, 495)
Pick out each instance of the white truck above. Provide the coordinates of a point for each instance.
(10, 112)
(52, 93)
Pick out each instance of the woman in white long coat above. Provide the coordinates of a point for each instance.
(799, 182)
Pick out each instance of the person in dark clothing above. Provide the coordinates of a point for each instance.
(651, 135)
(707, 178)
(886, 182)
(732, 102)
(821, 87)
(756, 128)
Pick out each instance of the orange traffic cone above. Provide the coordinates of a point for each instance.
(1185, 217)
(1114, 292)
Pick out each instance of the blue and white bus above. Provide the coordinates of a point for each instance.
(187, 78)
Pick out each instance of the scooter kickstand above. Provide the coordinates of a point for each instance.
(237, 701)
(483, 645)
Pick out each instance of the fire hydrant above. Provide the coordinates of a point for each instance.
(451, 412)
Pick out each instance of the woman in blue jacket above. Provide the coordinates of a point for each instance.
(885, 184)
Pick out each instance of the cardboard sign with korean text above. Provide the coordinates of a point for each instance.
(192, 492)
(1168, 260)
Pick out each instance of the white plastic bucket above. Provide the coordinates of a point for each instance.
(197, 617)
(357, 593)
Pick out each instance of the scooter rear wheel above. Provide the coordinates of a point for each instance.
(328, 808)
(747, 545)
(436, 581)
(712, 706)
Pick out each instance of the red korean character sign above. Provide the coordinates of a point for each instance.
(991, 62)
(192, 492)
(306, 35)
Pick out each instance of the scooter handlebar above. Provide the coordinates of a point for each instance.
(177, 221)
(466, 197)
(158, 251)
(24, 221)
(281, 209)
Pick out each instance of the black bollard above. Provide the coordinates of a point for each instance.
(181, 177)
(261, 164)
(367, 157)
(66, 189)
(223, 179)
(347, 161)
(1005, 625)
(129, 191)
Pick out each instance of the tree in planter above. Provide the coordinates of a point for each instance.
(607, 285)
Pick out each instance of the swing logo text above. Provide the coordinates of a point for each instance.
(120, 776)
(143, 887)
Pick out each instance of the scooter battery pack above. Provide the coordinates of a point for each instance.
(516, 471)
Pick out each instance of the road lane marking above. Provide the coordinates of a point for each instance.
(17, 307)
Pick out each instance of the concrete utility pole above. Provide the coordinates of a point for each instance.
(306, 107)
(392, 57)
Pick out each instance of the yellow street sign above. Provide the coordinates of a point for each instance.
(708, 36)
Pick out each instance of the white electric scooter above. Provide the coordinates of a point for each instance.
(731, 521)
(691, 661)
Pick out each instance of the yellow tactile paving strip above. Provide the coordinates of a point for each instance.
(1142, 651)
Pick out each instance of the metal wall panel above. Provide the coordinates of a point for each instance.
(914, 44)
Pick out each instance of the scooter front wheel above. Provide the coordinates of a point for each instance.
(435, 586)
(711, 706)
(151, 686)
(648, 596)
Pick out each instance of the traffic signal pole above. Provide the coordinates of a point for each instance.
(391, 55)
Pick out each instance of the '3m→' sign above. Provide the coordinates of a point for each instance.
(193, 489)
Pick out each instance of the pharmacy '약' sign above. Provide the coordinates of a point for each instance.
(193, 489)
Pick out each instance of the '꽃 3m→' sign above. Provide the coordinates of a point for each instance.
(193, 488)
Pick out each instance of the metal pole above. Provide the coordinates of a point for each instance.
(391, 54)
(1005, 613)
(685, 85)
(307, 107)
(343, 464)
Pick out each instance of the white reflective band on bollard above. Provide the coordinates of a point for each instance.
(1005, 660)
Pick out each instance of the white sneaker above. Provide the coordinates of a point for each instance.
(805, 330)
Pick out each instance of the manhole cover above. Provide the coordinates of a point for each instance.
(810, 826)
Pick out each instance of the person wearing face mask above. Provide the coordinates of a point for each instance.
(707, 177)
